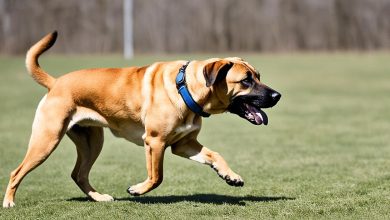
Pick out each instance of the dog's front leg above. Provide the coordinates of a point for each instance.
(154, 152)
(193, 150)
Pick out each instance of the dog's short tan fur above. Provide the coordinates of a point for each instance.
(140, 104)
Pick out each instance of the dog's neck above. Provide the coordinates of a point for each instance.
(204, 96)
(181, 85)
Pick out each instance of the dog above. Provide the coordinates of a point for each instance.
(154, 106)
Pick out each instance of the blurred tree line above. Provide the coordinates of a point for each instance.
(96, 26)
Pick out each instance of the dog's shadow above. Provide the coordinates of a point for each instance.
(198, 198)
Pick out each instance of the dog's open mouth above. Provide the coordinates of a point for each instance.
(249, 110)
(255, 115)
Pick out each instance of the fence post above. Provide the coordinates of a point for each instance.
(128, 29)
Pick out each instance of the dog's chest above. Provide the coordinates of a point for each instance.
(186, 129)
(183, 130)
(189, 125)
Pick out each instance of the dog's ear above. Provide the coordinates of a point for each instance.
(215, 71)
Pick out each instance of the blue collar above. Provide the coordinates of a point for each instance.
(185, 94)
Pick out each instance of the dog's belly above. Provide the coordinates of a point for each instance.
(126, 128)
(129, 130)
(87, 117)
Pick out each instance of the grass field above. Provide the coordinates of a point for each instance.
(325, 153)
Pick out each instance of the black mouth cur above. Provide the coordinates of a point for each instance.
(154, 106)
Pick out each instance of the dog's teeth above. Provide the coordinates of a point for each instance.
(250, 116)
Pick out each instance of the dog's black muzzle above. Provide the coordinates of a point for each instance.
(249, 106)
(267, 98)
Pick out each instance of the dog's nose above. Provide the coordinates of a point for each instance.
(275, 96)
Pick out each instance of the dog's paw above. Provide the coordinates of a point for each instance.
(230, 177)
(136, 190)
(140, 188)
(8, 204)
(100, 197)
(133, 191)
(233, 180)
(105, 198)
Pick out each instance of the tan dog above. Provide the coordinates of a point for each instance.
(142, 105)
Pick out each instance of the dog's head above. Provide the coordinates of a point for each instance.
(237, 86)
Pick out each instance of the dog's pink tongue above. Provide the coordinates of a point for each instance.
(256, 114)
(264, 116)
(258, 118)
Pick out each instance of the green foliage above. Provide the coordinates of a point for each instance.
(325, 153)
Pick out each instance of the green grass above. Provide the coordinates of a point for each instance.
(325, 153)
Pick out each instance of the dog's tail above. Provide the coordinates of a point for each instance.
(37, 73)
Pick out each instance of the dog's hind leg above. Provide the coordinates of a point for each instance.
(50, 124)
(89, 143)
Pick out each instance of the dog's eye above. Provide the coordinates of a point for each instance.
(247, 82)
(258, 75)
